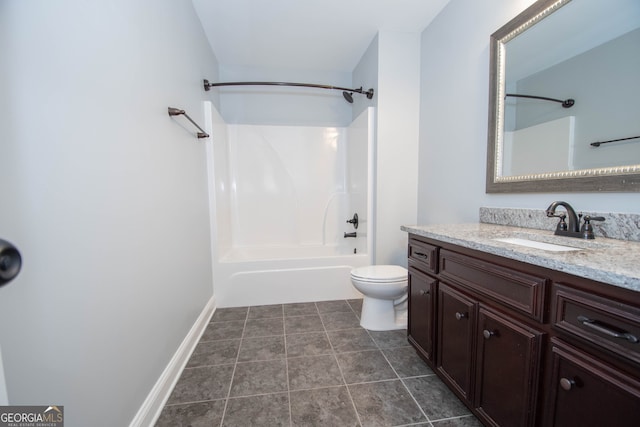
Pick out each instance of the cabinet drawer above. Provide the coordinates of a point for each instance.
(603, 322)
(423, 256)
(515, 289)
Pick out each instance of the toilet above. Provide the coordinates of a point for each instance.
(385, 289)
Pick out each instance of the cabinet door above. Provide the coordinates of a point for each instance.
(587, 392)
(456, 319)
(507, 370)
(421, 298)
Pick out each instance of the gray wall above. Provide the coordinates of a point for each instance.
(105, 195)
(453, 120)
(604, 82)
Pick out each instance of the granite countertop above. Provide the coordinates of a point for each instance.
(611, 261)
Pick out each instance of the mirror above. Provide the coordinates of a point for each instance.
(564, 91)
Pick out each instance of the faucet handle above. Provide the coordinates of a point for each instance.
(587, 229)
(562, 225)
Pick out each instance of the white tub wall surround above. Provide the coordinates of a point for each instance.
(282, 196)
(385, 288)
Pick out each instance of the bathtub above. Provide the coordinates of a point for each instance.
(277, 275)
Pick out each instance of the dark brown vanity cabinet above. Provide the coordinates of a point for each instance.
(587, 392)
(422, 296)
(456, 326)
(422, 291)
(594, 374)
(522, 345)
(490, 359)
(507, 369)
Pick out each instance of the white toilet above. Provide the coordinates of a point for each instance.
(384, 307)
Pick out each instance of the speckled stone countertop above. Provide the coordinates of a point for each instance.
(616, 262)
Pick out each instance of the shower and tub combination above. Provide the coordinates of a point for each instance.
(283, 203)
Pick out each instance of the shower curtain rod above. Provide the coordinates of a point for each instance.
(566, 103)
(368, 93)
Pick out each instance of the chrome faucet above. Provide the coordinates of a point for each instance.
(573, 229)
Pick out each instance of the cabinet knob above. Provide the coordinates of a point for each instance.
(461, 316)
(488, 334)
(424, 292)
(567, 384)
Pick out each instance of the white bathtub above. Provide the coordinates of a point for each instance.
(277, 275)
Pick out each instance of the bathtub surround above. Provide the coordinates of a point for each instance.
(622, 226)
(280, 200)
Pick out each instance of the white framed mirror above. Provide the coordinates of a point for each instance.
(564, 89)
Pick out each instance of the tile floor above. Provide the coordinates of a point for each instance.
(308, 364)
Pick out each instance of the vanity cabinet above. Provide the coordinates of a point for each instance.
(456, 325)
(594, 373)
(507, 369)
(490, 359)
(585, 391)
(523, 345)
(422, 291)
(422, 295)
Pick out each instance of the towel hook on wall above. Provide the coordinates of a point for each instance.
(177, 112)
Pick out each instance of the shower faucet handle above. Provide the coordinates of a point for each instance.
(354, 221)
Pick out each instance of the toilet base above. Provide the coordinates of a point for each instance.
(381, 315)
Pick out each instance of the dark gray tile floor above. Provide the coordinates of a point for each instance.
(308, 364)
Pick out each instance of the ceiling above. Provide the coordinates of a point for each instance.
(327, 35)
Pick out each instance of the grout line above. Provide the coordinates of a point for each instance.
(235, 365)
(187, 403)
(344, 381)
(286, 366)
(400, 378)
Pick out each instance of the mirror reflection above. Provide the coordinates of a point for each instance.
(567, 91)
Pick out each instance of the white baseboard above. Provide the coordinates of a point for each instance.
(152, 406)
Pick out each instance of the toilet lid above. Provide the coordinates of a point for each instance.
(380, 273)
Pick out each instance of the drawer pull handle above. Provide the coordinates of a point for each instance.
(597, 326)
(461, 316)
(424, 292)
(567, 384)
(421, 255)
(488, 334)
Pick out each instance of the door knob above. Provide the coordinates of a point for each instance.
(10, 262)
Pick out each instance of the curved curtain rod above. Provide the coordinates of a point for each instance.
(566, 103)
(208, 85)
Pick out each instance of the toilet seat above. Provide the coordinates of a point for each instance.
(380, 274)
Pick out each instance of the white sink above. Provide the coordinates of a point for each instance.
(537, 245)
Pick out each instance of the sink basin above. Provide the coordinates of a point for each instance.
(537, 245)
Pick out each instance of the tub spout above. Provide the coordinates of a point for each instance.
(349, 234)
